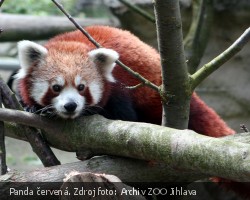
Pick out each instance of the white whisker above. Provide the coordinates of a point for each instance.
(91, 110)
(44, 109)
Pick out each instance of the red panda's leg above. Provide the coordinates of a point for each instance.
(119, 105)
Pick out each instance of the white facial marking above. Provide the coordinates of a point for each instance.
(96, 90)
(110, 77)
(60, 81)
(105, 59)
(78, 80)
(39, 90)
(68, 95)
(20, 74)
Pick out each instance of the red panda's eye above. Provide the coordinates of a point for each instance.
(57, 88)
(81, 87)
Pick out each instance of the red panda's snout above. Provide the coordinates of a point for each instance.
(69, 103)
(66, 78)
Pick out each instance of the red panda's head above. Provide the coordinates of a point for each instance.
(65, 76)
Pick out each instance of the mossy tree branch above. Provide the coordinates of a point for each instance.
(132, 171)
(175, 88)
(180, 149)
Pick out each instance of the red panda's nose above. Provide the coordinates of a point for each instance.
(70, 107)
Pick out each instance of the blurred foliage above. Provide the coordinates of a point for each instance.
(34, 7)
(31, 160)
(97, 11)
(10, 159)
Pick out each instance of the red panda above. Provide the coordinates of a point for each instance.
(69, 76)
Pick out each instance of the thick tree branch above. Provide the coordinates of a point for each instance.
(3, 165)
(26, 118)
(180, 149)
(217, 62)
(176, 87)
(239, 137)
(8, 97)
(132, 171)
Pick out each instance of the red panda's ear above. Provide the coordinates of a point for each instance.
(105, 60)
(29, 53)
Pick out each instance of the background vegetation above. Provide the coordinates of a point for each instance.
(34, 7)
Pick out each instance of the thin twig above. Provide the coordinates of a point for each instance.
(135, 86)
(201, 16)
(244, 128)
(77, 25)
(217, 62)
(118, 62)
(196, 40)
(138, 10)
(144, 81)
